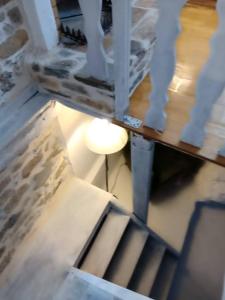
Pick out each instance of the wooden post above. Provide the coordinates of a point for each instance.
(163, 61)
(96, 56)
(142, 156)
(42, 24)
(210, 85)
(121, 44)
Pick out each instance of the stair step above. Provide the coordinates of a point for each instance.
(105, 244)
(148, 267)
(79, 285)
(127, 255)
(161, 287)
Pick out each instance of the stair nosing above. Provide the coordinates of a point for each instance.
(92, 235)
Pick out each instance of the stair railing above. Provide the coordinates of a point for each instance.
(211, 82)
(43, 32)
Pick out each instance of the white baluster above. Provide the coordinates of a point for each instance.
(210, 85)
(42, 24)
(122, 16)
(163, 61)
(96, 56)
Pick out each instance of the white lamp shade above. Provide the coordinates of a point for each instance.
(103, 137)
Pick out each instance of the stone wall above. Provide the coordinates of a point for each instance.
(32, 167)
(61, 72)
(14, 43)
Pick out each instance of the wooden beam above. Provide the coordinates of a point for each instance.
(142, 154)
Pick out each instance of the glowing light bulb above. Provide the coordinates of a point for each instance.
(103, 137)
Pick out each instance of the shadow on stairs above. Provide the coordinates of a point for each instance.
(122, 250)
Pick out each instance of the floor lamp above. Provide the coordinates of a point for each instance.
(103, 137)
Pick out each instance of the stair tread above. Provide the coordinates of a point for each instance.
(127, 256)
(148, 267)
(163, 281)
(80, 285)
(105, 244)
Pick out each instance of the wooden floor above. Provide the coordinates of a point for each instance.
(208, 3)
(199, 23)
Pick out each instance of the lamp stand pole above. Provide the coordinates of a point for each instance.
(107, 172)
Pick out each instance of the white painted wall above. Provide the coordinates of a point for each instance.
(85, 163)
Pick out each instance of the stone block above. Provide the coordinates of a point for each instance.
(35, 67)
(6, 196)
(6, 260)
(48, 83)
(56, 149)
(4, 2)
(11, 221)
(75, 88)
(14, 43)
(41, 178)
(56, 72)
(4, 183)
(28, 168)
(61, 168)
(15, 15)
(2, 251)
(100, 106)
(11, 204)
(16, 198)
(95, 82)
(6, 81)
(9, 224)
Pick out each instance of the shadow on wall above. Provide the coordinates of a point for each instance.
(173, 170)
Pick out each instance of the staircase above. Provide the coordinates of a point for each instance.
(80, 285)
(122, 250)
